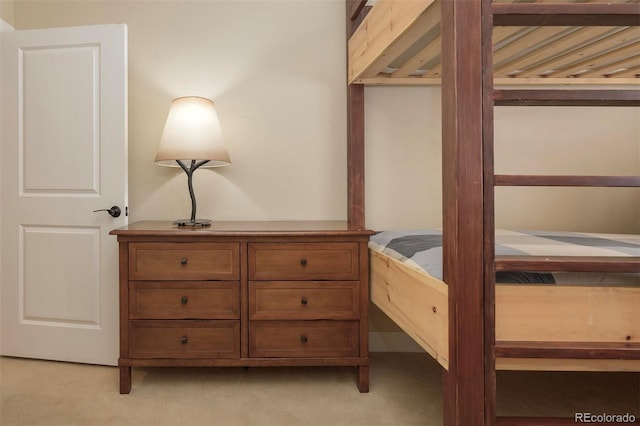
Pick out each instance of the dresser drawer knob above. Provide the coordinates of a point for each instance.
(184, 300)
(184, 340)
(303, 261)
(183, 261)
(303, 339)
(304, 301)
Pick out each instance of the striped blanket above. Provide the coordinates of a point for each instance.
(422, 250)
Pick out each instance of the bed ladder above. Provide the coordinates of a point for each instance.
(568, 14)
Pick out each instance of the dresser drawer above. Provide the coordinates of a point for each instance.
(303, 261)
(184, 339)
(184, 261)
(308, 300)
(300, 339)
(184, 300)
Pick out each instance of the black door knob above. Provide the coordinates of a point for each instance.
(114, 211)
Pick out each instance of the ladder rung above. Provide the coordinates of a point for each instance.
(568, 350)
(567, 263)
(560, 97)
(547, 180)
(567, 14)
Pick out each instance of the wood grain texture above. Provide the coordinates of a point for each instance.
(416, 302)
(463, 210)
(567, 263)
(567, 313)
(172, 316)
(574, 14)
(541, 45)
(566, 180)
(355, 156)
(588, 350)
(567, 97)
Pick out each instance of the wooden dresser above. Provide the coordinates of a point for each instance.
(243, 294)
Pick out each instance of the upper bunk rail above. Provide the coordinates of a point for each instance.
(567, 180)
(506, 97)
(567, 263)
(573, 14)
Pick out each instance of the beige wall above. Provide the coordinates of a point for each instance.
(277, 78)
(404, 163)
(6, 11)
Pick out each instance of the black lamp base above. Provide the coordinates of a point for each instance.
(193, 223)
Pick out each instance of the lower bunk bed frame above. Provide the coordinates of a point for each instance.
(469, 324)
(548, 314)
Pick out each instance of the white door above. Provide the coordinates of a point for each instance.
(63, 155)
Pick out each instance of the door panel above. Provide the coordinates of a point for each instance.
(60, 89)
(64, 256)
(64, 155)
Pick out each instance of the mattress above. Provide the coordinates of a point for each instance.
(421, 249)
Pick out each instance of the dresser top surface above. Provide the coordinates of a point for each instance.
(242, 228)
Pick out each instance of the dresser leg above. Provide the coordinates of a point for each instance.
(363, 378)
(125, 379)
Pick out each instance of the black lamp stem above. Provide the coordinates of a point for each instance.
(189, 171)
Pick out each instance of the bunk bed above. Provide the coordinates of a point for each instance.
(476, 50)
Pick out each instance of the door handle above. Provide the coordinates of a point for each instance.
(114, 211)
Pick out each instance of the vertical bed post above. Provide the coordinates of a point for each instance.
(489, 216)
(355, 154)
(355, 130)
(463, 211)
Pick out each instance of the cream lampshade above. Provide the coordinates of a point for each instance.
(191, 139)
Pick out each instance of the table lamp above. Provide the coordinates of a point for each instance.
(191, 139)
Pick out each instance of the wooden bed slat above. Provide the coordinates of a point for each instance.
(573, 14)
(567, 263)
(635, 71)
(539, 37)
(388, 27)
(547, 180)
(541, 40)
(426, 23)
(626, 64)
(573, 350)
(426, 54)
(601, 55)
(507, 97)
(569, 42)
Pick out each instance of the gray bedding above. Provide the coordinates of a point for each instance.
(422, 249)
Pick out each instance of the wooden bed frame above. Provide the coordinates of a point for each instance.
(469, 324)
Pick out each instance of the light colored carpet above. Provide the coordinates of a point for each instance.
(405, 390)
